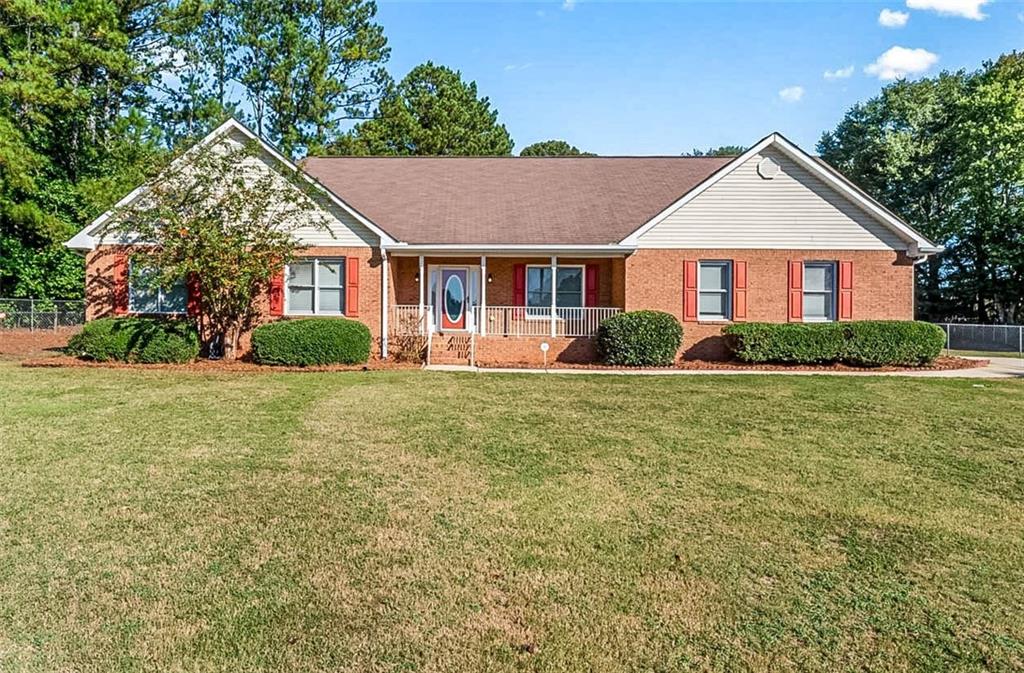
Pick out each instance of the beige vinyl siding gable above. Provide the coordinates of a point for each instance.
(330, 224)
(795, 210)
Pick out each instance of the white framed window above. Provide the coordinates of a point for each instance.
(819, 291)
(714, 290)
(146, 298)
(315, 286)
(569, 289)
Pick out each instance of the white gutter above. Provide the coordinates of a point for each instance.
(508, 250)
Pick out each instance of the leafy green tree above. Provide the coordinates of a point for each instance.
(308, 65)
(553, 148)
(219, 219)
(945, 154)
(70, 75)
(721, 151)
(988, 174)
(191, 95)
(897, 147)
(432, 111)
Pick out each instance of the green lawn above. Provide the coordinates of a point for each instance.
(983, 354)
(407, 521)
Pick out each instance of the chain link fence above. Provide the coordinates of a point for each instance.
(1007, 339)
(41, 314)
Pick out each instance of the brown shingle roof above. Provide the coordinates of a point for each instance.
(511, 200)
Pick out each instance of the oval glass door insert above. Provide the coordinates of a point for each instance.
(454, 299)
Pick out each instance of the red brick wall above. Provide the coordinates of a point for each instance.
(99, 281)
(99, 285)
(511, 351)
(647, 279)
(883, 287)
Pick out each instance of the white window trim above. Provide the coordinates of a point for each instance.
(831, 293)
(547, 309)
(316, 286)
(727, 291)
(159, 297)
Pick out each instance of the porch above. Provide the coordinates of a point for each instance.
(467, 299)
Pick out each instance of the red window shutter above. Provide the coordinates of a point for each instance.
(519, 285)
(277, 294)
(796, 291)
(591, 298)
(352, 286)
(739, 290)
(195, 297)
(120, 283)
(846, 290)
(689, 290)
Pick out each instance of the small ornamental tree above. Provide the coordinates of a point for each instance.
(221, 218)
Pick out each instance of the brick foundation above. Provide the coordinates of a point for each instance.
(510, 351)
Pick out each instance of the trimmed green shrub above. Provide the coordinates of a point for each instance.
(876, 343)
(311, 341)
(865, 343)
(639, 339)
(132, 339)
(795, 343)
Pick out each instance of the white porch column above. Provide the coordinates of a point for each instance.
(554, 293)
(423, 283)
(483, 295)
(383, 303)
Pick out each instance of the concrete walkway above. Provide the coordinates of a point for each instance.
(998, 368)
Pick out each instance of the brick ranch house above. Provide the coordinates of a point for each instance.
(464, 250)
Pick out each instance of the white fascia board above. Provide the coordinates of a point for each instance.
(510, 250)
(86, 240)
(917, 244)
(81, 241)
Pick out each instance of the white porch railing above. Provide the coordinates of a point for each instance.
(405, 319)
(509, 321)
(520, 321)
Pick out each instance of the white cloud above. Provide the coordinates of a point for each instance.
(517, 66)
(893, 19)
(899, 62)
(967, 9)
(568, 5)
(169, 57)
(791, 94)
(839, 73)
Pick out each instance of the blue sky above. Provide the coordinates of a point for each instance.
(665, 77)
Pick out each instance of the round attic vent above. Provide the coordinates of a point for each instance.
(767, 168)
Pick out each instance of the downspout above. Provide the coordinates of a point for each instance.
(383, 303)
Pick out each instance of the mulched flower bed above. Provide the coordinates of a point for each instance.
(940, 364)
(18, 343)
(215, 366)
